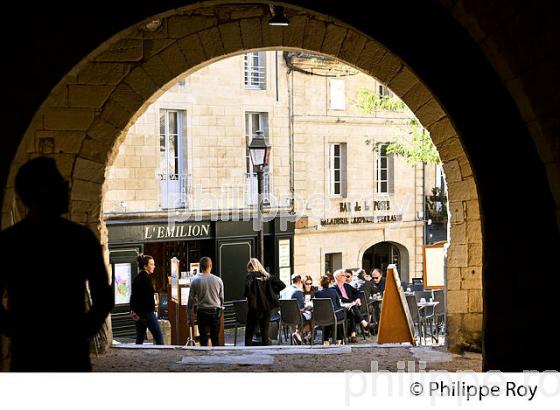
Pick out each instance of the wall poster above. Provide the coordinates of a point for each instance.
(123, 283)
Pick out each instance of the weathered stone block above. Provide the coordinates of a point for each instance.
(388, 67)
(141, 82)
(92, 96)
(457, 301)
(314, 34)
(471, 277)
(452, 171)
(457, 255)
(352, 47)
(67, 142)
(251, 33)
(441, 130)
(292, 36)
(67, 119)
(95, 150)
(459, 233)
(403, 81)
(85, 191)
(88, 170)
(174, 59)
(181, 26)
(371, 55)
(124, 50)
(430, 113)
(116, 114)
(465, 165)
(475, 254)
(417, 96)
(102, 73)
(475, 301)
(231, 36)
(334, 36)
(192, 50)
(125, 96)
(158, 71)
(462, 191)
(474, 234)
(473, 210)
(451, 149)
(472, 323)
(211, 42)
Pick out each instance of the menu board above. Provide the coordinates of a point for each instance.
(434, 260)
(175, 279)
(284, 260)
(185, 295)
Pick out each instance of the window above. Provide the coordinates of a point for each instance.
(384, 171)
(255, 70)
(333, 261)
(173, 158)
(384, 91)
(337, 169)
(337, 94)
(255, 121)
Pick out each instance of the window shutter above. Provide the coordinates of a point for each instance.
(343, 167)
(390, 173)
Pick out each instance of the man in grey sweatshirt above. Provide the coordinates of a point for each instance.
(207, 292)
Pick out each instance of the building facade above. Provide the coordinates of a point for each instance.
(183, 184)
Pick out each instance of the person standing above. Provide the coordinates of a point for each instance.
(142, 302)
(261, 289)
(51, 266)
(207, 292)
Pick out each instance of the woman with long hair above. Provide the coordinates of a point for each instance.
(142, 303)
(260, 290)
(308, 288)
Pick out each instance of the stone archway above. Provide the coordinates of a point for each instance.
(84, 119)
(400, 257)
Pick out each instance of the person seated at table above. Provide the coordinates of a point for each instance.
(351, 297)
(366, 285)
(378, 279)
(328, 292)
(295, 291)
(351, 278)
(308, 288)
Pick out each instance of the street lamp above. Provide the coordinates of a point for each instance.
(259, 149)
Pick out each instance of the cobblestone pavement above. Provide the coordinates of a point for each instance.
(362, 357)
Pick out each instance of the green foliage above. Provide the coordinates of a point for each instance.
(369, 101)
(419, 145)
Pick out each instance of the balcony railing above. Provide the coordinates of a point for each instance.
(174, 190)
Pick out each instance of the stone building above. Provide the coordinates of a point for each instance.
(182, 183)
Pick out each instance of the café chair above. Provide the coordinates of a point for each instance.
(364, 310)
(290, 316)
(428, 312)
(414, 313)
(323, 316)
(439, 311)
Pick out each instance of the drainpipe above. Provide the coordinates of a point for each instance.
(425, 221)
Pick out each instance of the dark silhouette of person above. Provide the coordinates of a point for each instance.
(48, 264)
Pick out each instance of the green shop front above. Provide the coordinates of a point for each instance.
(229, 244)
